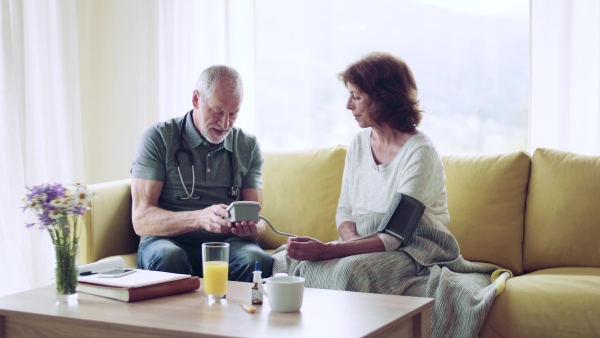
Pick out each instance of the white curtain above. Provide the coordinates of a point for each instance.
(81, 80)
(40, 127)
(565, 75)
(193, 35)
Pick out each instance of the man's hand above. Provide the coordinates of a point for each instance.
(211, 219)
(308, 249)
(246, 229)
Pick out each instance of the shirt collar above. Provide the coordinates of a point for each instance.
(195, 139)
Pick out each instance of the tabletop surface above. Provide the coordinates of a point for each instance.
(324, 312)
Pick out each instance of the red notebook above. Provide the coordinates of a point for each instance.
(140, 293)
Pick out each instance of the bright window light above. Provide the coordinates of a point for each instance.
(470, 60)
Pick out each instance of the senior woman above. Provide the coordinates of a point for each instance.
(391, 155)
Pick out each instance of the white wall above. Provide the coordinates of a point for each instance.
(139, 61)
(116, 73)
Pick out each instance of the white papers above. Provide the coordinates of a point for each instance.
(103, 265)
(134, 280)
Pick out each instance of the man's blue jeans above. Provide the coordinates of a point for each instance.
(185, 256)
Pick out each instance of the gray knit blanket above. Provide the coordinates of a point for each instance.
(431, 266)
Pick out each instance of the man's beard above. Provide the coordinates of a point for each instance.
(212, 139)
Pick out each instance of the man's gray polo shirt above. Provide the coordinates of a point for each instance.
(155, 160)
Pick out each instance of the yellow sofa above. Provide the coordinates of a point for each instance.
(538, 216)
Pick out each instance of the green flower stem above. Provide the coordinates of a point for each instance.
(66, 269)
(66, 245)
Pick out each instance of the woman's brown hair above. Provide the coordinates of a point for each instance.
(391, 87)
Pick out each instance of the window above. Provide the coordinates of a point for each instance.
(470, 60)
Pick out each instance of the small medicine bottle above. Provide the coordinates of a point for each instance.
(257, 296)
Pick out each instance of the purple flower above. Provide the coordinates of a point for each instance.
(54, 191)
(36, 190)
(80, 210)
(54, 205)
(45, 219)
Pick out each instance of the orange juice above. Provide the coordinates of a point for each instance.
(215, 277)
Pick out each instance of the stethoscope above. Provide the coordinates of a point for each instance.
(233, 192)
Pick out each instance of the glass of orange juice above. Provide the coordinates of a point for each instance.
(215, 269)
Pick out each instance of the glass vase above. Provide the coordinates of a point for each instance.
(66, 272)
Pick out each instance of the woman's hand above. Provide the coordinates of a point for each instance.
(308, 249)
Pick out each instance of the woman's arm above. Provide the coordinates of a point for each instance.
(347, 231)
(310, 249)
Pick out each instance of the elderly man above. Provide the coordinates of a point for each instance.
(185, 173)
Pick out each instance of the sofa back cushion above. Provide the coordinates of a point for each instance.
(486, 201)
(108, 230)
(301, 190)
(562, 225)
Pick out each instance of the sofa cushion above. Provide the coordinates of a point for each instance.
(559, 302)
(486, 201)
(301, 190)
(562, 225)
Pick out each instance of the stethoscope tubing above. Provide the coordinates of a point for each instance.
(232, 192)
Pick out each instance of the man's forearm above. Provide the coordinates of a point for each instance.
(154, 221)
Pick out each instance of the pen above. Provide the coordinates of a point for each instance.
(87, 273)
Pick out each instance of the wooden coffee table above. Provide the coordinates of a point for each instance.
(324, 313)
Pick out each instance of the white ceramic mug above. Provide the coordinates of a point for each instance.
(285, 293)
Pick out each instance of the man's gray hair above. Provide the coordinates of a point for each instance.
(211, 76)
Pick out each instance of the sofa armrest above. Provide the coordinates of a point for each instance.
(108, 229)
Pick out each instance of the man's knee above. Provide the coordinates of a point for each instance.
(164, 256)
(169, 255)
(243, 261)
(264, 260)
